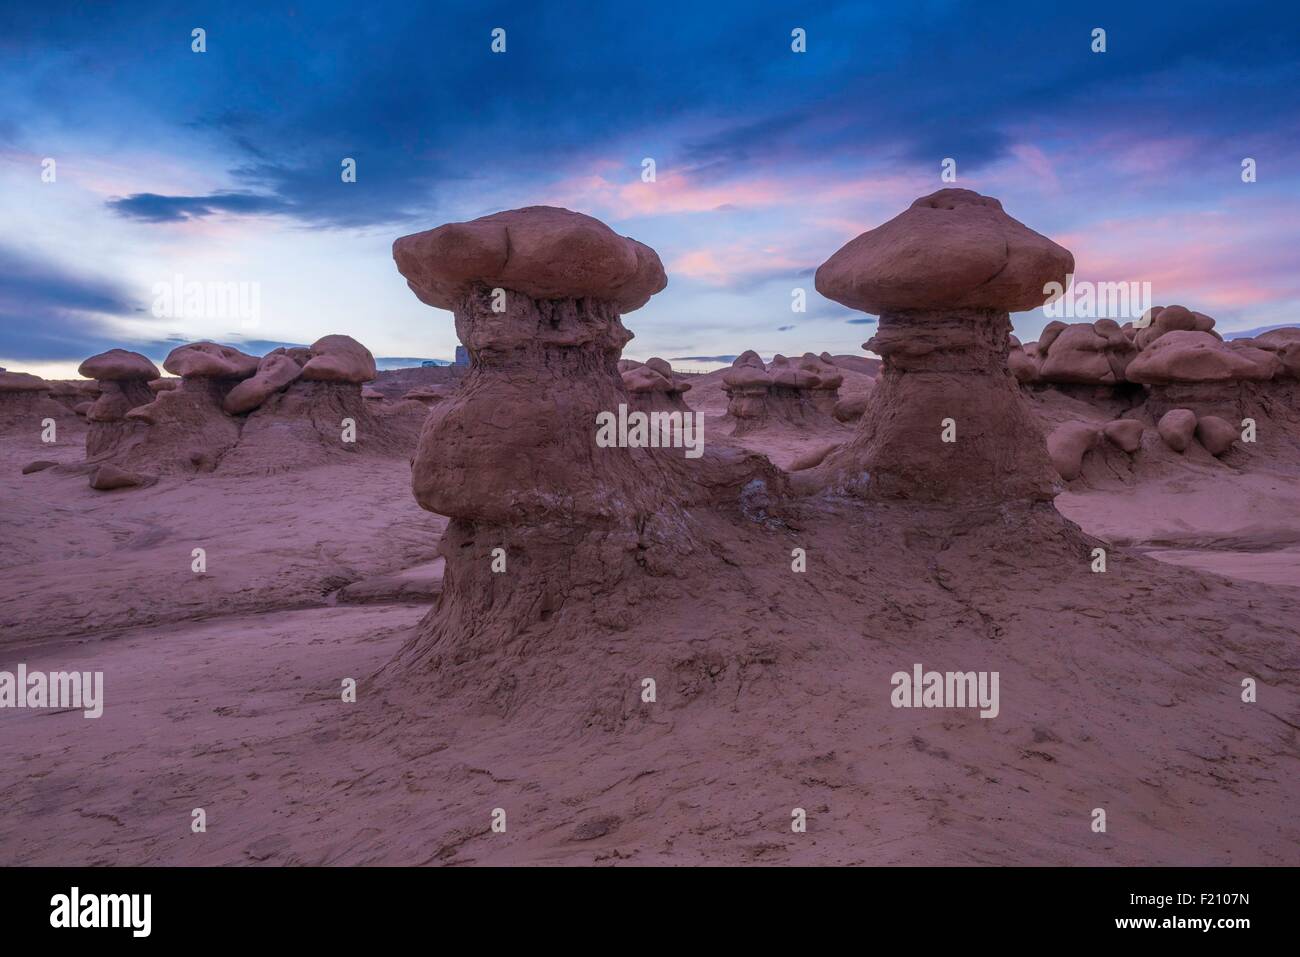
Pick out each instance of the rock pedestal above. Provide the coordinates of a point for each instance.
(947, 423)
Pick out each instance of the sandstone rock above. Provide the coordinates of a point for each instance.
(654, 386)
(943, 277)
(40, 465)
(1285, 344)
(851, 408)
(274, 372)
(1125, 433)
(951, 250)
(109, 477)
(210, 360)
(428, 394)
(118, 365)
(11, 382)
(1067, 445)
(1087, 353)
(1163, 319)
(339, 359)
(163, 385)
(540, 252)
(813, 458)
(801, 392)
(1184, 355)
(1176, 427)
(1217, 434)
(518, 458)
(1022, 362)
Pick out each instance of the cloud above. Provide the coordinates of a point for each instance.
(48, 312)
(153, 208)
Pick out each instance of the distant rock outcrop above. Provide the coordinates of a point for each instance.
(799, 392)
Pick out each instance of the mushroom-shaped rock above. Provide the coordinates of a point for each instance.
(947, 421)
(1187, 355)
(123, 379)
(537, 451)
(371, 394)
(654, 386)
(1216, 434)
(540, 252)
(953, 249)
(118, 365)
(1176, 427)
(339, 359)
(800, 392)
(1067, 445)
(274, 373)
(1125, 433)
(210, 360)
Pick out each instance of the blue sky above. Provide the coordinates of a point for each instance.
(223, 167)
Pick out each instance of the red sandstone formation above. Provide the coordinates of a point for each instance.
(274, 373)
(26, 398)
(1126, 434)
(1181, 356)
(316, 414)
(1216, 434)
(513, 457)
(293, 408)
(653, 386)
(943, 276)
(1067, 445)
(1176, 427)
(188, 429)
(123, 379)
(1085, 354)
(1162, 319)
(785, 392)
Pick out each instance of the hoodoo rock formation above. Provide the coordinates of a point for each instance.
(947, 422)
(309, 410)
(653, 386)
(123, 379)
(292, 408)
(25, 396)
(800, 392)
(188, 429)
(513, 456)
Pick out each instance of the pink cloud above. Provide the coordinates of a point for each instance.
(738, 261)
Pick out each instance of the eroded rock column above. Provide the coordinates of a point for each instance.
(947, 423)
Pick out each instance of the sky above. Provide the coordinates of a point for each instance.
(130, 164)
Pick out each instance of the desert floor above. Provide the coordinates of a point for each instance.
(223, 693)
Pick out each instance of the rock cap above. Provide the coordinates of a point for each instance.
(542, 252)
(951, 250)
